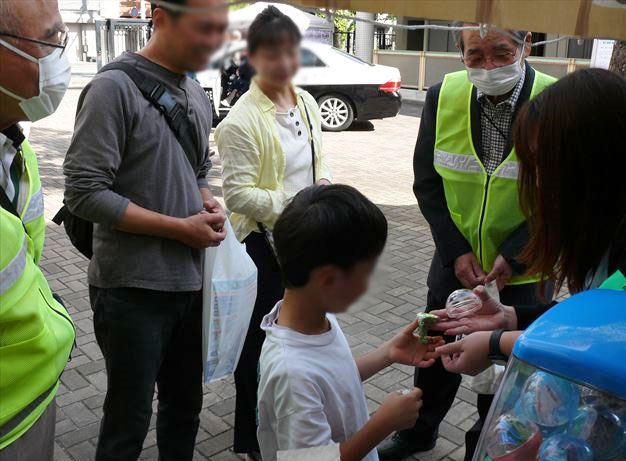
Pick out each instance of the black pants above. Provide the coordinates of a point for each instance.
(37, 443)
(149, 337)
(483, 403)
(270, 291)
(440, 386)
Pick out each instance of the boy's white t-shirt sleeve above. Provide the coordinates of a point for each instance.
(300, 418)
(325, 453)
(303, 429)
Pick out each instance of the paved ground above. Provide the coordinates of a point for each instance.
(376, 158)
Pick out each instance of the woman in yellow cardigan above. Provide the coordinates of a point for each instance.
(271, 147)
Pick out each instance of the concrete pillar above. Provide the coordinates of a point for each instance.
(364, 37)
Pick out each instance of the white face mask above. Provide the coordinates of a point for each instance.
(498, 81)
(54, 77)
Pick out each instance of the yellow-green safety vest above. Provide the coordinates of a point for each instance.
(36, 332)
(485, 208)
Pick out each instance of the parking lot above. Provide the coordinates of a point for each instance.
(374, 157)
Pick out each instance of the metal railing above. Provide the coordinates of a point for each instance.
(384, 41)
(114, 36)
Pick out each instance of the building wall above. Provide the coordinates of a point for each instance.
(436, 65)
(80, 17)
(443, 41)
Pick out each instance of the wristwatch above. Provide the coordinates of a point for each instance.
(495, 354)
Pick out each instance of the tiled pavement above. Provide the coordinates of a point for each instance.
(376, 158)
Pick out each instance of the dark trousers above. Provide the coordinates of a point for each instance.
(37, 443)
(270, 290)
(149, 337)
(438, 385)
(483, 403)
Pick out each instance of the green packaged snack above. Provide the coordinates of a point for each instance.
(425, 321)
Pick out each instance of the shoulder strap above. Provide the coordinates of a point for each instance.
(174, 113)
(268, 237)
(306, 111)
(8, 205)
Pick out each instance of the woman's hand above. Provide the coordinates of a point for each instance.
(323, 182)
(407, 349)
(469, 355)
(491, 316)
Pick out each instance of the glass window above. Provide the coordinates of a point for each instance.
(579, 51)
(310, 59)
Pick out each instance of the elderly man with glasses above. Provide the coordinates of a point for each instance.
(466, 187)
(36, 332)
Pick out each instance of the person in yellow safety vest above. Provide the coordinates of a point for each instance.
(36, 331)
(583, 245)
(466, 186)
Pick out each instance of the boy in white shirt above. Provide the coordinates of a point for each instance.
(328, 240)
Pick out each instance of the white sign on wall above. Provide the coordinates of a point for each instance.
(601, 53)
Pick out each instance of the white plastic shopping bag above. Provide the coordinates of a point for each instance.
(229, 293)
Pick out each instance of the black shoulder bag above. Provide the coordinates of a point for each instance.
(79, 230)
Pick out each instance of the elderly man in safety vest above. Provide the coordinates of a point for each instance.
(36, 332)
(466, 186)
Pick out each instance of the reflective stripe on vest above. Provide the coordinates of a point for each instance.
(466, 163)
(26, 411)
(35, 207)
(470, 164)
(485, 208)
(14, 270)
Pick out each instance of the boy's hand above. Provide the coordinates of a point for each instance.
(407, 349)
(399, 410)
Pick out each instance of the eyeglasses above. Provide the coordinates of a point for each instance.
(62, 37)
(499, 58)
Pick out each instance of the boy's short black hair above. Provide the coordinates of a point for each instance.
(270, 28)
(322, 225)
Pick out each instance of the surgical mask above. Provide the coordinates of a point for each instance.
(498, 81)
(54, 77)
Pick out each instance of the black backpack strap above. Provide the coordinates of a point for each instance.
(60, 216)
(174, 113)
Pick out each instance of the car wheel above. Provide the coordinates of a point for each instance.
(336, 112)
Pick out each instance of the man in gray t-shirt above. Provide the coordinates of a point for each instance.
(153, 215)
